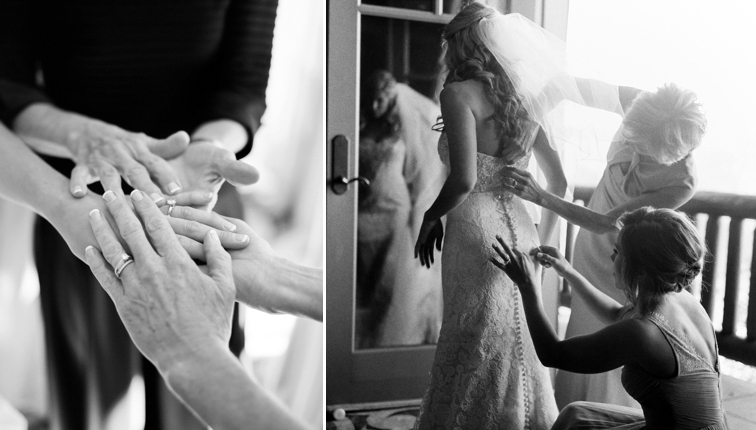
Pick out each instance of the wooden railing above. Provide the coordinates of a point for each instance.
(718, 206)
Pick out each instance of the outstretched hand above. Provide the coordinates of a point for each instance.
(549, 256)
(431, 232)
(204, 166)
(522, 184)
(518, 266)
(172, 310)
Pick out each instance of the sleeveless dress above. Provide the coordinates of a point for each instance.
(591, 259)
(691, 400)
(485, 374)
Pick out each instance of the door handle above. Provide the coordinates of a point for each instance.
(340, 166)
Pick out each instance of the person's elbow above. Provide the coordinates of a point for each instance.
(463, 185)
(558, 186)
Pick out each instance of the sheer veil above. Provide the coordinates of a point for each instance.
(536, 62)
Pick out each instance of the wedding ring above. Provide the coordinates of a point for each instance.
(122, 263)
(171, 205)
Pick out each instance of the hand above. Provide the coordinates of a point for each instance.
(192, 225)
(263, 280)
(518, 266)
(522, 184)
(173, 311)
(204, 166)
(105, 152)
(430, 232)
(549, 256)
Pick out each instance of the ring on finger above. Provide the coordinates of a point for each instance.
(171, 205)
(125, 260)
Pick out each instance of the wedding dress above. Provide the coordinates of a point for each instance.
(486, 374)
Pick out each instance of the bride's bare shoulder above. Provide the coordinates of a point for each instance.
(468, 92)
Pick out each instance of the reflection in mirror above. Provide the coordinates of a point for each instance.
(398, 301)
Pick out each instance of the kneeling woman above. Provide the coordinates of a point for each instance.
(663, 336)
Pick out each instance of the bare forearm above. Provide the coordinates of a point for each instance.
(50, 130)
(230, 133)
(26, 179)
(452, 195)
(218, 389)
(604, 307)
(579, 215)
(281, 286)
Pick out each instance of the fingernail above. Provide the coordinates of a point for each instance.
(77, 190)
(89, 251)
(242, 238)
(209, 195)
(213, 236)
(173, 188)
(136, 195)
(157, 198)
(95, 214)
(228, 226)
(109, 196)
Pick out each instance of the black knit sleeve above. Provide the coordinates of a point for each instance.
(18, 88)
(241, 69)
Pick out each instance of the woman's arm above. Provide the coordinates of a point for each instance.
(624, 342)
(459, 126)
(602, 305)
(548, 159)
(528, 188)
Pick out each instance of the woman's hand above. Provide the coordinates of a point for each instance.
(430, 232)
(173, 311)
(549, 256)
(518, 266)
(522, 184)
(105, 152)
(263, 280)
(204, 166)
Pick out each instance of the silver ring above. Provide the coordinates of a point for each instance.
(122, 263)
(171, 205)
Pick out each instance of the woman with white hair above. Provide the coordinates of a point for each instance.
(649, 164)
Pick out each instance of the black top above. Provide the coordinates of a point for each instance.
(151, 66)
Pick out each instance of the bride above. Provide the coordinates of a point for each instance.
(486, 373)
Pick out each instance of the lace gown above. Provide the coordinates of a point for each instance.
(485, 374)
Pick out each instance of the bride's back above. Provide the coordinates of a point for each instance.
(487, 131)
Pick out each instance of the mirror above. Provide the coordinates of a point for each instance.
(398, 301)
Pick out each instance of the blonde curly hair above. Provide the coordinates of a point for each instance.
(466, 58)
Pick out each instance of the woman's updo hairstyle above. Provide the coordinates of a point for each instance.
(466, 58)
(665, 125)
(663, 253)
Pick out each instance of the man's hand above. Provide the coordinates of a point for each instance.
(205, 165)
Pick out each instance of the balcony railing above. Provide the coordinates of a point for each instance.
(717, 207)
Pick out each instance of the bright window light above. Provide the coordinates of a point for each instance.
(705, 46)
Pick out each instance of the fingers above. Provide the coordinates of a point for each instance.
(198, 231)
(106, 238)
(238, 172)
(192, 198)
(545, 259)
(129, 226)
(508, 254)
(80, 177)
(156, 225)
(195, 249)
(170, 147)
(210, 219)
(110, 283)
(498, 264)
(218, 261)
(109, 177)
(139, 178)
(160, 171)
